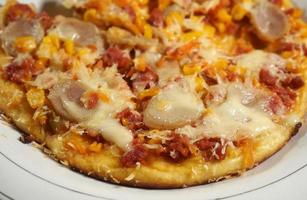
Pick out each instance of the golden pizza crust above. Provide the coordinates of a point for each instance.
(159, 173)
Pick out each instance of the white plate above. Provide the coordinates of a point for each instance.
(26, 173)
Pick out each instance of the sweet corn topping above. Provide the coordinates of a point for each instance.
(238, 12)
(41, 63)
(25, 44)
(221, 63)
(90, 15)
(174, 17)
(223, 16)
(209, 30)
(69, 47)
(148, 31)
(148, 93)
(52, 40)
(221, 27)
(199, 83)
(189, 70)
(193, 35)
(163, 4)
(140, 64)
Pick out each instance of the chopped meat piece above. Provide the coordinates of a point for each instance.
(178, 148)
(19, 11)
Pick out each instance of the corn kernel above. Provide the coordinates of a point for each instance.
(83, 51)
(297, 13)
(223, 16)
(25, 44)
(35, 97)
(238, 12)
(189, 70)
(163, 4)
(221, 63)
(140, 64)
(103, 97)
(90, 15)
(287, 3)
(148, 93)
(192, 35)
(52, 40)
(199, 83)
(142, 2)
(174, 17)
(304, 32)
(209, 30)
(41, 63)
(220, 27)
(287, 54)
(69, 47)
(148, 31)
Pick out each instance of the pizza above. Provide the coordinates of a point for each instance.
(155, 94)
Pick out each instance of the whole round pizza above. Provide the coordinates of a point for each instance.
(159, 93)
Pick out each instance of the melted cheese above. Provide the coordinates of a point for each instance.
(232, 119)
(169, 71)
(119, 95)
(252, 61)
(173, 107)
(111, 131)
(210, 4)
(258, 59)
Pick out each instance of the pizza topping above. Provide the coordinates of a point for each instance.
(20, 72)
(114, 55)
(216, 95)
(178, 147)
(143, 80)
(275, 105)
(255, 60)
(212, 148)
(169, 110)
(45, 20)
(66, 100)
(31, 32)
(121, 37)
(269, 21)
(294, 83)
(238, 119)
(19, 11)
(267, 78)
(156, 17)
(167, 84)
(131, 119)
(282, 84)
(82, 33)
(139, 153)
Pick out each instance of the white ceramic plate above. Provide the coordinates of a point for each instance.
(26, 174)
